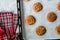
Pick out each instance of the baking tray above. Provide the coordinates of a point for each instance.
(29, 31)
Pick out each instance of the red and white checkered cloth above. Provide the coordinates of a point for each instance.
(9, 21)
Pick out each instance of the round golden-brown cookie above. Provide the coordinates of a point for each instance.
(58, 5)
(26, 0)
(30, 20)
(40, 30)
(37, 7)
(57, 29)
(51, 16)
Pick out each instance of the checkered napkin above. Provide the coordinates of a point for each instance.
(9, 22)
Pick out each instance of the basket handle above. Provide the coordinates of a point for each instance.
(19, 20)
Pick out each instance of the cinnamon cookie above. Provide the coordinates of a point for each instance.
(40, 30)
(37, 7)
(58, 5)
(26, 0)
(57, 29)
(30, 20)
(51, 16)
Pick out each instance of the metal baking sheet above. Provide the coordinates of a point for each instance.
(29, 30)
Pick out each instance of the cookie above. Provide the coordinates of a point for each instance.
(30, 20)
(26, 0)
(58, 5)
(40, 30)
(37, 7)
(57, 29)
(51, 16)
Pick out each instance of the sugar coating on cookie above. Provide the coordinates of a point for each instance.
(40, 30)
(51, 16)
(58, 5)
(57, 29)
(30, 20)
(37, 7)
(26, 0)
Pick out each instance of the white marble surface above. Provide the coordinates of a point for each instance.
(48, 6)
(8, 5)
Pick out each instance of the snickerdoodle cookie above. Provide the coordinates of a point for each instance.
(40, 30)
(57, 29)
(26, 0)
(51, 16)
(58, 5)
(37, 7)
(30, 20)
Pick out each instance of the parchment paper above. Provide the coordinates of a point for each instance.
(48, 6)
